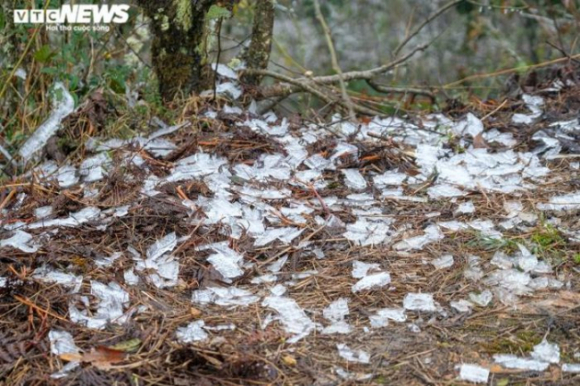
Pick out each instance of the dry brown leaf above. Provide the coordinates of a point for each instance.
(100, 357)
(71, 357)
(479, 142)
(289, 360)
(195, 312)
(103, 355)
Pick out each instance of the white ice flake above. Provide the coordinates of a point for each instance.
(541, 357)
(471, 125)
(570, 201)
(107, 261)
(482, 299)
(63, 104)
(43, 211)
(277, 265)
(454, 226)
(546, 352)
(46, 274)
(525, 260)
(358, 356)
(534, 104)
(112, 300)
(376, 280)
(20, 240)
(318, 162)
(266, 167)
(292, 317)
(354, 179)
(466, 207)
(20, 73)
(73, 220)
(382, 316)
(193, 332)
(162, 246)
(130, 277)
(365, 232)
(512, 280)
(360, 269)
(230, 296)
(389, 178)
(95, 168)
(224, 70)
(473, 373)
(352, 376)
(444, 191)
(432, 233)
(198, 165)
(514, 362)
(571, 368)
(278, 290)
(486, 227)
(286, 235)
(419, 302)
(505, 139)
(163, 268)
(461, 305)
(67, 176)
(227, 263)
(335, 314)
(442, 262)
(231, 88)
(62, 342)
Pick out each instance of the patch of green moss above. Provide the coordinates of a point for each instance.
(333, 185)
(65, 142)
(184, 14)
(523, 341)
(381, 380)
(548, 243)
(547, 237)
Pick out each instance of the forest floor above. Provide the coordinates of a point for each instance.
(234, 249)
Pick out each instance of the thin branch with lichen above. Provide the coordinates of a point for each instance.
(334, 60)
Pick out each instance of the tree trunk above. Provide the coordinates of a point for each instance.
(258, 54)
(178, 57)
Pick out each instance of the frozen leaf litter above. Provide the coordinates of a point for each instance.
(335, 242)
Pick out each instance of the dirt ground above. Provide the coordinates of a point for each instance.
(66, 275)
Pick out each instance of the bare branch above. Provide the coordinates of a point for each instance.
(416, 31)
(351, 75)
(399, 90)
(302, 84)
(334, 60)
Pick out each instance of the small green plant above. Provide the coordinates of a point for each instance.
(547, 240)
(493, 244)
(576, 258)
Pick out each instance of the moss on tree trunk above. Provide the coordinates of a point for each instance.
(178, 33)
(258, 53)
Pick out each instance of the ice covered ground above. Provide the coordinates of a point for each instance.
(321, 250)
